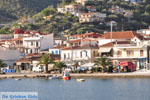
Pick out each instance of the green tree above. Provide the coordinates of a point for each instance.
(60, 65)
(46, 60)
(103, 62)
(4, 30)
(46, 12)
(67, 1)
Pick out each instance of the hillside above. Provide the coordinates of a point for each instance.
(127, 15)
(11, 10)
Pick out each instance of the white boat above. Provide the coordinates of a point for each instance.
(54, 77)
(66, 75)
(80, 80)
(17, 79)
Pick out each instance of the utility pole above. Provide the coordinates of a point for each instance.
(122, 25)
(111, 26)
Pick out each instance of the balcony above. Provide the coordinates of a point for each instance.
(125, 45)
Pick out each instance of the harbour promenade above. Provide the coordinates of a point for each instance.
(80, 75)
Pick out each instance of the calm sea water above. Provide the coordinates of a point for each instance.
(91, 89)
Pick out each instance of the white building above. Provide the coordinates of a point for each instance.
(86, 53)
(72, 8)
(9, 56)
(92, 17)
(82, 1)
(18, 33)
(37, 43)
(81, 42)
(127, 46)
(116, 36)
(144, 31)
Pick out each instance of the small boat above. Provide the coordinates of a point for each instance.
(54, 77)
(66, 75)
(80, 80)
(18, 79)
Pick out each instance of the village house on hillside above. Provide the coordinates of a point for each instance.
(72, 8)
(82, 1)
(91, 17)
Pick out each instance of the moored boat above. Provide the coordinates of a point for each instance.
(54, 77)
(66, 75)
(80, 80)
(17, 79)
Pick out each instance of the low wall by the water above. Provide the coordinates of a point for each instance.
(103, 76)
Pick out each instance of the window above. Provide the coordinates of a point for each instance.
(68, 55)
(56, 52)
(86, 53)
(37, 44)
(94, 54)
(130, 53)
(142, 53)
(81, 54)
(64, 56)
(31, 43)
(119, 53)
(52, 52)
(31, 51)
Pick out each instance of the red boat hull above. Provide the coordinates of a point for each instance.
(66, 78)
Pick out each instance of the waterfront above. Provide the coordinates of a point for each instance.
(91, 89)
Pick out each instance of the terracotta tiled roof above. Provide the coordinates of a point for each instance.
(139, 36)
(78, 36)
(67, 48)
(92, 34)
(90, 7)
(58, 46)
(119, 35)
(34, 54)
(24, 60)
(81, 47)
(111, 44)
(27, 32)
(75, 41)
(19, 31)
(88, 40)
(79, 40)
(18, 39)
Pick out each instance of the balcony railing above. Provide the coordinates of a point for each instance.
(125, 45)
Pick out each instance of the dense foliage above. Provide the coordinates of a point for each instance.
(13, 9)
(50, 21)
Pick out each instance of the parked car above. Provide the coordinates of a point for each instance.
(38, 69)
(81, 69)
(68, 69)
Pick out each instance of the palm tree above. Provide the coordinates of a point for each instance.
(76, 65)
(103, 61)
(45, 60)
(2, 64)
(60, 65)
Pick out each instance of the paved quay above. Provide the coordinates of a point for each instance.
(94, 75)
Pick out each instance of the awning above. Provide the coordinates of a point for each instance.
(104, 49)
(142, 58)
(88, 65)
